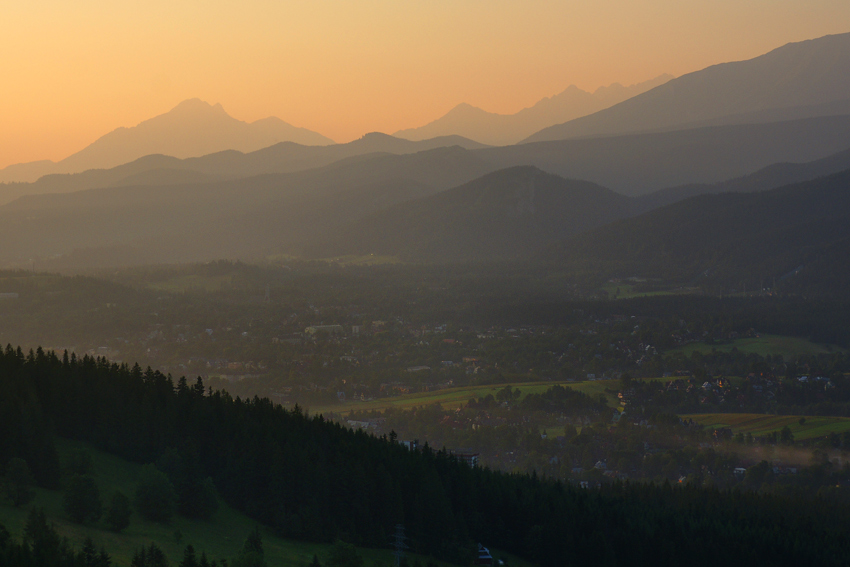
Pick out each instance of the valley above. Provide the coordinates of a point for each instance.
(607, 327)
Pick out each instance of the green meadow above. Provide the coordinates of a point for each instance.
(761, 424)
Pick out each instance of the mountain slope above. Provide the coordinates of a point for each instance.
(285, 157)
(246, 218)
(192, 128)
(770, 177)
(503, 129)
(814, 72)
(505, 214)
(630, 164)
(728, 238)
(641, 163)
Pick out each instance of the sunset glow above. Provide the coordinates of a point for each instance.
(72, 72)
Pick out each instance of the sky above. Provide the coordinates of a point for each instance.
(71, 71)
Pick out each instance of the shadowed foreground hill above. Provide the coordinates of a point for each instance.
(506, 214)
(739, 238)
(313, 480)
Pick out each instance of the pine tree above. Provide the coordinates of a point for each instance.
(155, 498)
(82, 500)
(189, 557)
(19, 481)
(118, 515)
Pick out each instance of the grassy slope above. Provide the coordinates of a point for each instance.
(222, 537)
(763, 345)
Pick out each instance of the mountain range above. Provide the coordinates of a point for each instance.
(504, 129)
(196, 128)
(632, 165)
(192, 128)
(452, 199)
(443, 204)
(284, 157)
(250, 217)
(797, 80)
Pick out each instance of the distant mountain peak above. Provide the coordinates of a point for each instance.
(504, 129)
(192, 128)
(797, 80)
(375, 136)
(196, 105)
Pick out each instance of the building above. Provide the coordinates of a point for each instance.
(484, 557)
(470, 459)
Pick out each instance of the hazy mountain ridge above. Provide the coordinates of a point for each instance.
(808, 73)
(771, 177)
(504, 129)
(506, 214)
(632, 164)
(245, 218)
(251, 217)
(728, 236)
(192, 128)
(636, 164)
(285, 157)
(478, 220)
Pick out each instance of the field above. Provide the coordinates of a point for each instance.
(763, 345)
(451, 398)
(365, 260)
(627, 291)
(194, 283)
(760, 424)
(222, 537)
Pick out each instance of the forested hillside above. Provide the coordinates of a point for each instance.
(311, 479)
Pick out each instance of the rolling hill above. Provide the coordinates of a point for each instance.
(803, 79)
(285, 157)
(510, 213)
(242, 218)
(797, 233)
(770, 177)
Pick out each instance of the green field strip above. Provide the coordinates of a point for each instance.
(762, 424)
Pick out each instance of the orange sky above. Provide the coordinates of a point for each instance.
(72, 71)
